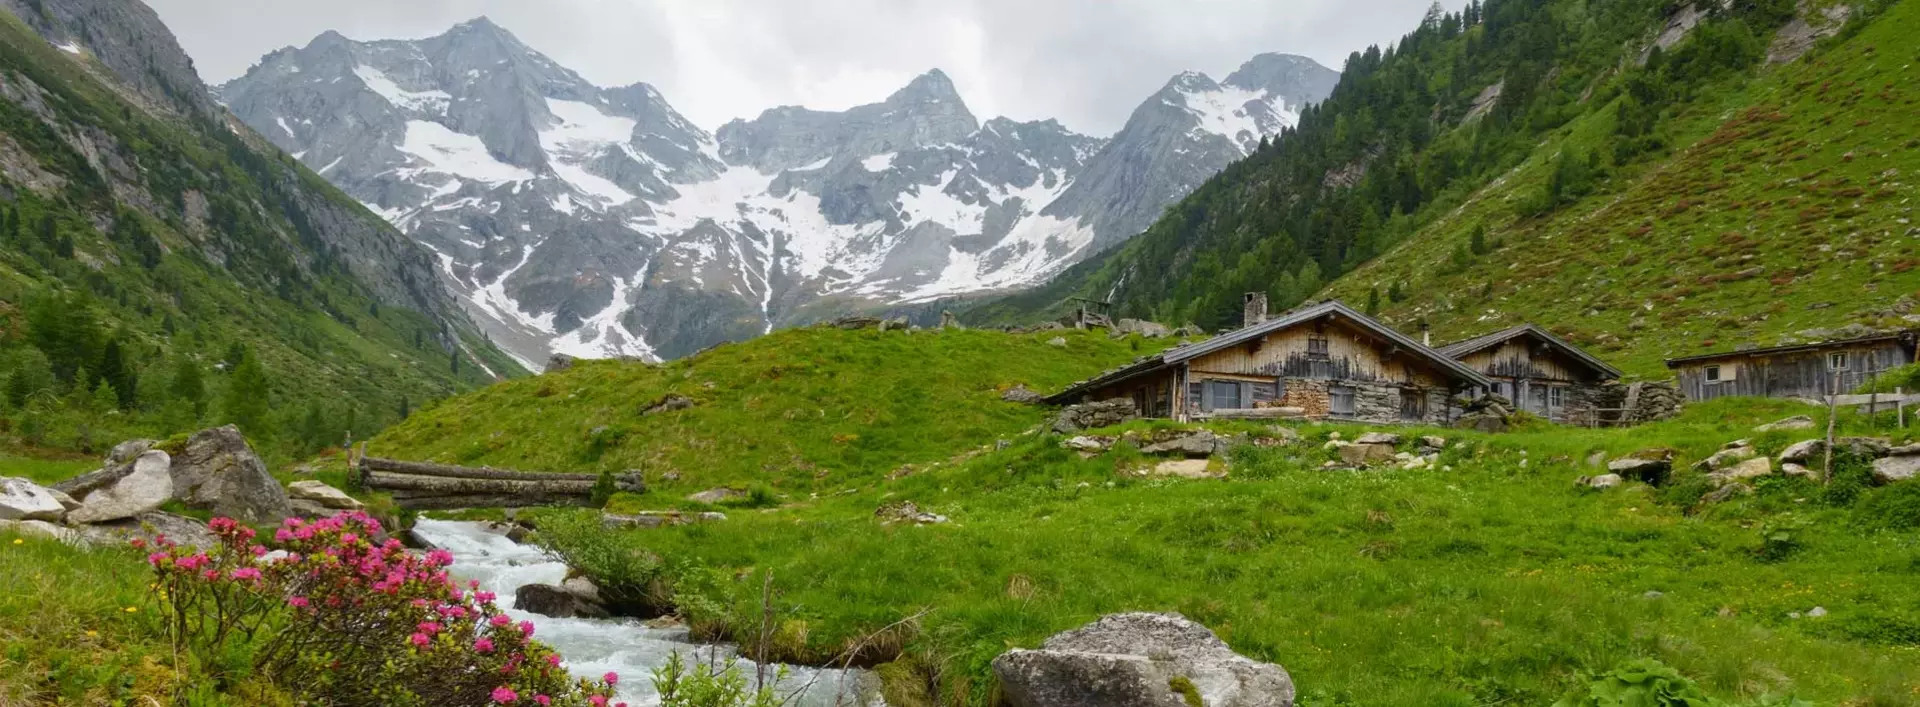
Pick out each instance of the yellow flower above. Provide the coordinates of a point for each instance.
(93, 634)
(18, 541)
(132, 609)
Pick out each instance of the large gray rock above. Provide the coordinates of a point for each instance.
(1801, 452)
(21, 499)
(145, 486)
(1366, 454)
(1086, 416)
(1651, 468)
(219, 472)
(557, 602)
(1135, 660)
(1797, 422)
(43, 529)
(1889, 470)
(1200, 443)
(1151, 330)
(1023, 395)
(126, 451)
(1745, 470)
(1387, 438)
(323, 496)
(151, 526)
(1727, 457)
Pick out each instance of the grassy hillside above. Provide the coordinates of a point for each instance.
(1545, 162)
(1788, 207)
(806, 409)
(1489, 580)
(160, 272)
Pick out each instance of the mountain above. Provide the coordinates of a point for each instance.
(1648, 180)
(147, 237)
(600, 222)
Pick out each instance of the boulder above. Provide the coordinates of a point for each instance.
(714, 496)
(1654, 470)
(557, 602)
(1151, 330)
(1863, 446)
(1482, 421)
(320, 494)
(145, 486)
(1750, 469)
(43, 529)
(1139, 660)
(1284, 435)
(1434, 443)
(1889, 470)
(583, 588)
(667, 403)
(1058, 341)
(907, 512)
(1366, 454)
(1023, 395)
(1792, 469)
(1603, 481)
(1803, 451)
(1797, 422)
(126, 451)
(1197, 444)
(21, 499)
(218, 472)
(150, 526)
(1094, 445)
(1726, 493)
(1387, 438)
(559, 362)
(1727, 457)
(1087, 416)
(1185, 469)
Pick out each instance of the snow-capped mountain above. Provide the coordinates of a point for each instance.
(599, 222)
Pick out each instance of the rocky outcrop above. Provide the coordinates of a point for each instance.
(1797, 422)
(716, 495)
(1365, 454)
(1602, 481)
(1151, 330)
(219, 472)
(1140, 660)
(668, 403)
(21, 499)
(1023, 395)
(558, 602)
(1651, 466)
(138, 487)
(1892, 469)
(313, 499)
(150, 526)
(907, 512)
(43, 529)
(1086, 416)
(1488, 413)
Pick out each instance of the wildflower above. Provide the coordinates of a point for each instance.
(484, 597)
(18, 541)
(419, 639)
(246, 573)
(132, 609)
(93, 634)
(439, 558)
(484, 645)
(504, 694)
(348, 538)
(139, 542)
(611, 678)
(501, 620)
(597, 701)
(553, 659)
(526, 628)
(298, 602)
(428, 627)
(543, 700)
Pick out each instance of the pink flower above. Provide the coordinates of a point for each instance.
(526, 628)
(246, 573)
(428, 627)
(439, 558)
(611, 678)
(501, 620)
(348, 538)
(156, 559)
(553, 659)
(298, 602)
(258, 550)
(484, 645)
(419, 639)
(597, 701)
(504, 694)
(543, 700)
(221, 525)
(139, 542)
(484, 596)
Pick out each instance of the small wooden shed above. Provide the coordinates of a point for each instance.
(1810, 371)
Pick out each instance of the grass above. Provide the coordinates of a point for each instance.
(45, 471)
(1787, 206)
(805, 410)
(1492, 580)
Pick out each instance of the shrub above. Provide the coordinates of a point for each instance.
(348, 621)
(1636, 683)
(1895, 507)
(710, 685)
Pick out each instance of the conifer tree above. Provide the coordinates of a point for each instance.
(246, 402)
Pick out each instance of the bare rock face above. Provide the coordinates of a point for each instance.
(144, 486)
(1139, 660)
(21, 499)
(220, 473)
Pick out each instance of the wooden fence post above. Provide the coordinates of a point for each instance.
(1833, 410)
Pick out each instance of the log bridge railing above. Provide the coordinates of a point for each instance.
(426, 486)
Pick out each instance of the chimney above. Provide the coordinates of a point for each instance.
(1426, 335)
(1254, 310)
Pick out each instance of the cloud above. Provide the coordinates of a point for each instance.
(1085, 62)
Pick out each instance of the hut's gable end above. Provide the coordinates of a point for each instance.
(1525, 358)
(1318, 350)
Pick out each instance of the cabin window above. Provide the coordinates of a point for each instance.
(1225, 395)
(1556, 398)
(1265, 393)
(1713, 374)
(1413, 405)
(1317, 348)
(1836, 362)
(1340, 401)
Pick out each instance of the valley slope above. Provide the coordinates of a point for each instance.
(599, 222)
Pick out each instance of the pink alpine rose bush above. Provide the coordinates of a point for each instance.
(348, 621)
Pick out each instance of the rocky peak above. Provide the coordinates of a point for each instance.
(1296, 78)
(925, 113)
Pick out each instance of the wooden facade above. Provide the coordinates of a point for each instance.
(1328, 361)
(1811, 371)
(1538, 371)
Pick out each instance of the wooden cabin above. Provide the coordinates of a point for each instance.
(1538, 371)
(1327, 361)
(1810, 371)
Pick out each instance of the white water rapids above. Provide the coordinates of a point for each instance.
(593, 647)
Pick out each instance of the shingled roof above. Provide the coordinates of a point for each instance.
(1460, 349)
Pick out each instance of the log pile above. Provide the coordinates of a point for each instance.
(427, 486)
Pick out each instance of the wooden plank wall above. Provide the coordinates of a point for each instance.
(1516, 358)
(1797, 374)
(1283, 354)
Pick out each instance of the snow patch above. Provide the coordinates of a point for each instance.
(433, 102)
(458, 154)
(72, 48)
(1225, 113)
(879, 163)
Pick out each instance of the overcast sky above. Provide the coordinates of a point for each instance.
(1085, 62)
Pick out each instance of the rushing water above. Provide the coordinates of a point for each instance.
(592, 647)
